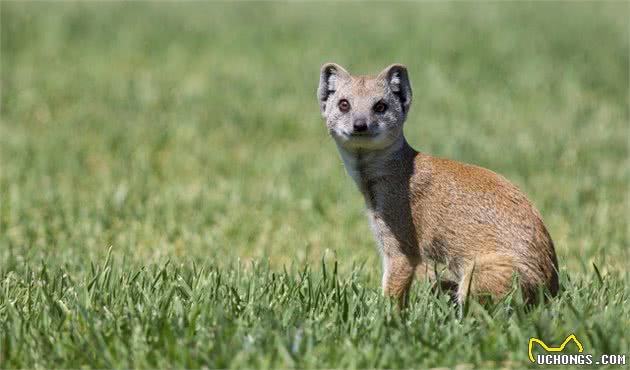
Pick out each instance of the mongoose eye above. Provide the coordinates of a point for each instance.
(344, 105)
(380, 107)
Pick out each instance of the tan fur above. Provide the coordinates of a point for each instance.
(425, 209)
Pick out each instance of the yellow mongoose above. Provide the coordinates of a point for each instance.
(422, 208)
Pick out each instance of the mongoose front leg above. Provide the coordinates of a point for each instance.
(397, 277)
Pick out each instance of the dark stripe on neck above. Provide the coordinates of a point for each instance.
(367, 185)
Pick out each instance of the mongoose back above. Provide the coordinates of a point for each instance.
(423, 208)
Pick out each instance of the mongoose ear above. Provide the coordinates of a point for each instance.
(398, 79)
(329, 78)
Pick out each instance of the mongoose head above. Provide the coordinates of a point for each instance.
(364, 112)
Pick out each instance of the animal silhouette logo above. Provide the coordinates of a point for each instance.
(552, 349)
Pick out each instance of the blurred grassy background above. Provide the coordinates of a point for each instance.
(191, 131)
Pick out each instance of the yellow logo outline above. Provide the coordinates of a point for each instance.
(552, 349)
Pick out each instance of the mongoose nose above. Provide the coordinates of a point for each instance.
(360, 125)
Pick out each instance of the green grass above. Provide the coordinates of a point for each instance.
(190, 133)
(166, 316)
